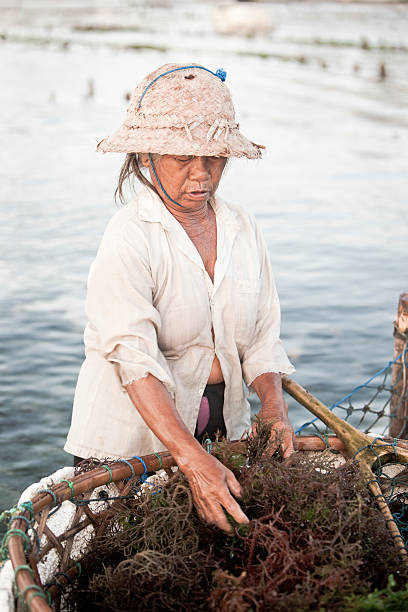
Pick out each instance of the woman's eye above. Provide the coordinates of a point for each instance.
(184, 158)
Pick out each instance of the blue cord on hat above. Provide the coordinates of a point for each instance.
(160, 185)
(220, 73)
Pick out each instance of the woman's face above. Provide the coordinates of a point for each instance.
(188, 180)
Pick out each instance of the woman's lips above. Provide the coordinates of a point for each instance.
(198, 195)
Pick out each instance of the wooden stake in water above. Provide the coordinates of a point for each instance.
(399, 406)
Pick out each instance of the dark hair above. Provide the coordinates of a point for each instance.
(131, 170)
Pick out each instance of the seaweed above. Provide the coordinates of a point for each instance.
(315, 541)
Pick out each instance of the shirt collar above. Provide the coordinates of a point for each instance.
(151, 208)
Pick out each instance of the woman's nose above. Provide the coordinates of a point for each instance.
(199, 169)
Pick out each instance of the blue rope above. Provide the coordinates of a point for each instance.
(130, 465)
(209, 445)
(160, 185)
(143, 477)
(220, 73)
(66, 576)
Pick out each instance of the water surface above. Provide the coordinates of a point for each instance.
(330, 194)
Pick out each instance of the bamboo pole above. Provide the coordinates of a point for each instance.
(399, 405)
(359, 445)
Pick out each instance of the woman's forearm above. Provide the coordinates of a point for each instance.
(211, 483)
(156, 407)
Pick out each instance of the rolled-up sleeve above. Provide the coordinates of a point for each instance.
(266, 352)
(123, 324)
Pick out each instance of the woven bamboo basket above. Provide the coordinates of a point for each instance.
(48, 536)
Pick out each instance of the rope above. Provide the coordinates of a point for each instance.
(9, 516)
(220, 73)
(49, 492)
(16, 532)
(66, 576)
(23, 567)
(208, 445)
(160, 184)
(38, 593)
(71, 486)
(29, 507)
(130, 465)
(368, 408)
(110, 472)
(364, 385)
(20, 517)
(143, 477)
(160, 460)
(105, 498)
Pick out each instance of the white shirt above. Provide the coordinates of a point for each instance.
(151, 306)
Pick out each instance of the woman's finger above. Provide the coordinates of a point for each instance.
(233, 508)
(210, 511)
(233, 484)
(214, 512)
(210, 502)
(288, 448)
(282, 432)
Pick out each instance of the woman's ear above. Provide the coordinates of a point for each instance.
(144, 159)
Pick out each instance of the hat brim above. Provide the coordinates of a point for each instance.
(180, 141)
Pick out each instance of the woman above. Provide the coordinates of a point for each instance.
(181, 303)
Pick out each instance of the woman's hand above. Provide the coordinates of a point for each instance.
(282, 430)
(211, 484)
(274, 410)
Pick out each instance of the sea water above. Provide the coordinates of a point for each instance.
(326, 91)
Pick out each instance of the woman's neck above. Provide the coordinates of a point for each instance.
(194, 221)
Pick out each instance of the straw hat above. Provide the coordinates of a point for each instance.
(181, 110)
